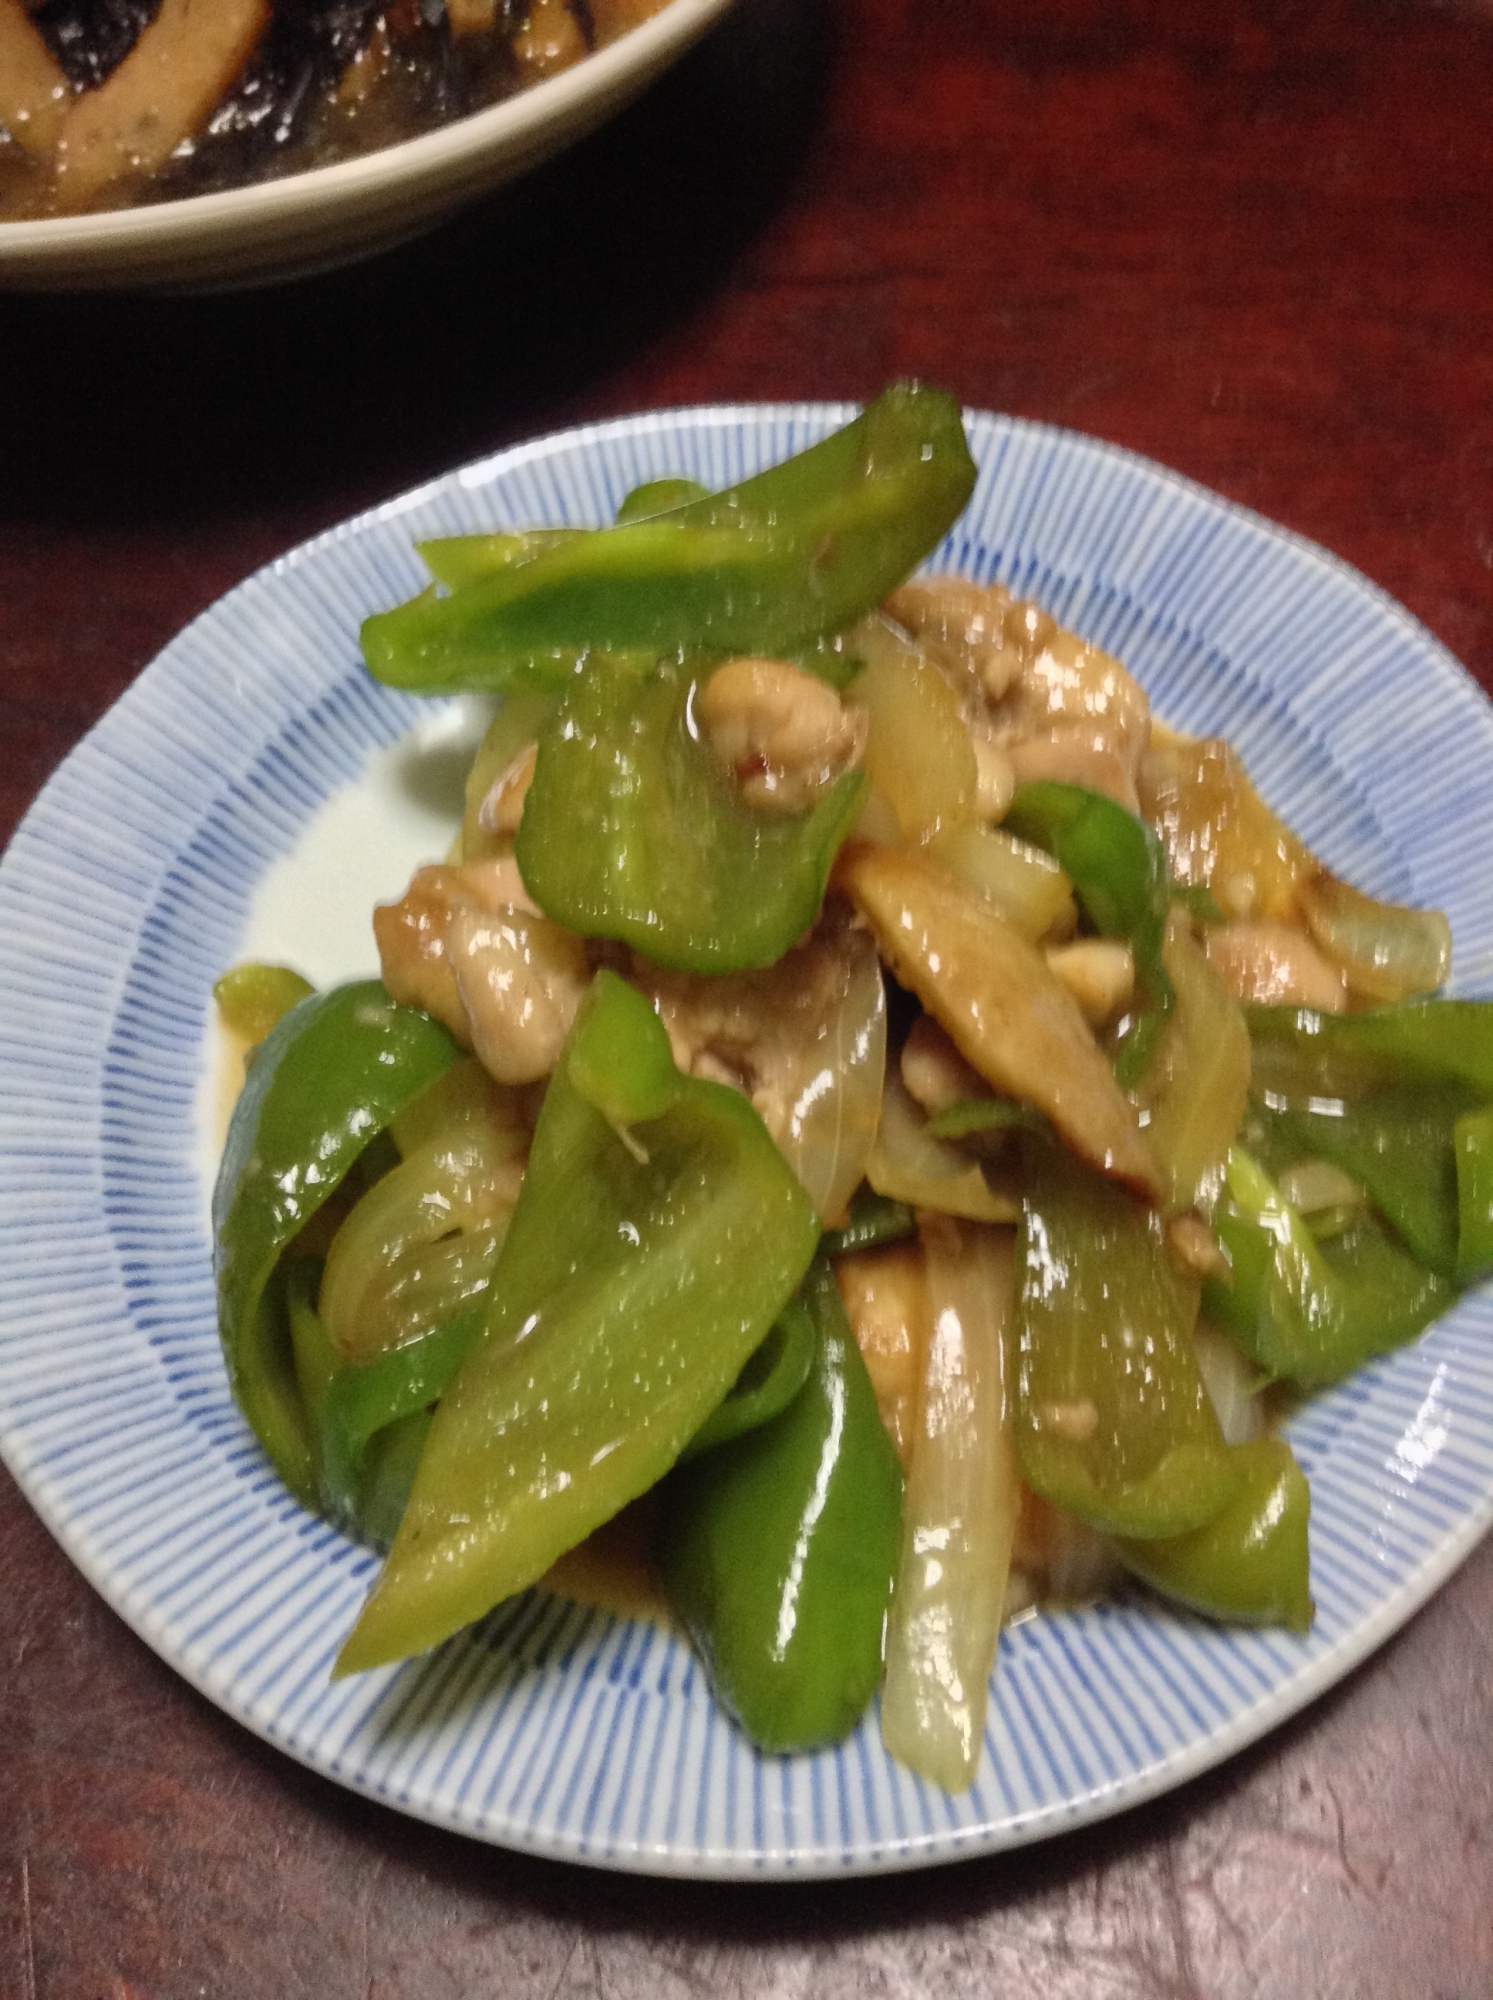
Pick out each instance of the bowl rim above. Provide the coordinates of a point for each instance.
(426, 160)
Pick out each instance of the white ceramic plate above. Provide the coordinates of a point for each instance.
(254, 790)
(334, 215)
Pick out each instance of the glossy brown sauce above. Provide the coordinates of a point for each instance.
(614, 1569)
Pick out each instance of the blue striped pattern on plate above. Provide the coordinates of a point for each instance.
(566, 1731)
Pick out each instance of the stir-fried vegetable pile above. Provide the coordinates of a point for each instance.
(105, 103)
(856, 1089)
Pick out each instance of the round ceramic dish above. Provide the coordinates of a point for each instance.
(334, 215)
(254, 791)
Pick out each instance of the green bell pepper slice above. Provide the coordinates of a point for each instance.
(366, 1419)
(460, 560)
(874, 1219)
(647, 1257)
(325, 1084)
(973, 1116)
(767, 1384)
(1397, 1140)
(368, 1423)
(317, 1363)
(633, 829)
(779, 1549)
(393, 1460)
(765, 566)
(1472, 1143)
(1384, 1095)
(1112, 1420)
(1310, 1311)
(659, 496)
(253, 997)
(1301, 1051)
(1119, 874)
(1249, 1563)
(362, 1403)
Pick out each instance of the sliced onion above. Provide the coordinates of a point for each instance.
(834, 1102)
(421, 1243)
(1195, 1088)
(1386, 953)
(959, 1515)
(1313, 1186)
(908, 1164)
(878, 823)
(919, 755)
(427, 1284)
(1025, 885)
(1233, 1385)
(995, 996)
(805, 1040)
(462, 1095)
(1218, 832)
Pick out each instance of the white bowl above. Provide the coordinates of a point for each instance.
(334, 215)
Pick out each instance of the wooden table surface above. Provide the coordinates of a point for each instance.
(1254, 241)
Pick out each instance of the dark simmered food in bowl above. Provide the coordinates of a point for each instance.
(108, 104)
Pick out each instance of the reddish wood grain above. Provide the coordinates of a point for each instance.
(1251, 241)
